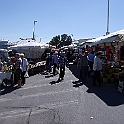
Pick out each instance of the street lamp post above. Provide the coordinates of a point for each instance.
(40, 39)
(108, 20)
(34, 30)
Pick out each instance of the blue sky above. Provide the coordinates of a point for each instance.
(82, 18)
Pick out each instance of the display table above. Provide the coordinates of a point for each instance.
(110, 74)
(5, 75)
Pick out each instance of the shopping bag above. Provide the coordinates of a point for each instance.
(26, 75)
(57, 70)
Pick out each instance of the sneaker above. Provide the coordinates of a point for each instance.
(62, 78)
(58, 79)
(18, 86)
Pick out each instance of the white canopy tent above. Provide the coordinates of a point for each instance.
(112, 38)
(30, 48)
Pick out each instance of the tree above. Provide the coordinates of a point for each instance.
(61, 40)
(55, 41)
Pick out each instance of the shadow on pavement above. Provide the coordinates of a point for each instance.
(53, 82)
(8, 89)
(108, 93)
(77, 83)
(48, 76)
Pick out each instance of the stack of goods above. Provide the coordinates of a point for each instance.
(6, 68)
(121, 82)
(36, 68)
(110, 74)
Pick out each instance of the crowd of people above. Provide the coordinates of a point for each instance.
(20, 67)
(58, 61)
(88, 64)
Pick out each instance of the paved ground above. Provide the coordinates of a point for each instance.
(42, 100)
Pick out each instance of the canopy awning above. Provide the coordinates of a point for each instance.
(116, 37)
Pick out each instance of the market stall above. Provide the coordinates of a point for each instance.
(112, 46)
(5, 75)
(37, 68)
(121, 79)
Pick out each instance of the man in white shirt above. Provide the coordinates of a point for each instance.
(97, 68)
(24, 67)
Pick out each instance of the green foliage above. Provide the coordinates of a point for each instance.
(61, 40)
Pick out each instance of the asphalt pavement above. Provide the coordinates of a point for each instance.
(44, 100)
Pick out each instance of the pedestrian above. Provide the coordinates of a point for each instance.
(62, 63)
(24, 67)
(78, 66)
(48, 63)
(91, 61)
(55, 63)
(84, 65)
(18, 69)
(68, 55)
(97, 68)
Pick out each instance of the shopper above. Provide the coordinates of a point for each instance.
(78, 66)
(18, 69)
(97, 68)
(48, 63)
(62, 63)
(55, 63)
(51, 61)
(91, 60)
(84, 65)
(24, 67)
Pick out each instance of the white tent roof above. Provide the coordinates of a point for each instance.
(115, 36)
(29, 43)
(31, 48)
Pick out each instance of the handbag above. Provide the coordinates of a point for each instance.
(57, 70)
(26, 75)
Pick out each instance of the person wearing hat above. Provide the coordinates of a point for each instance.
(24, 67)
(97, 68)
